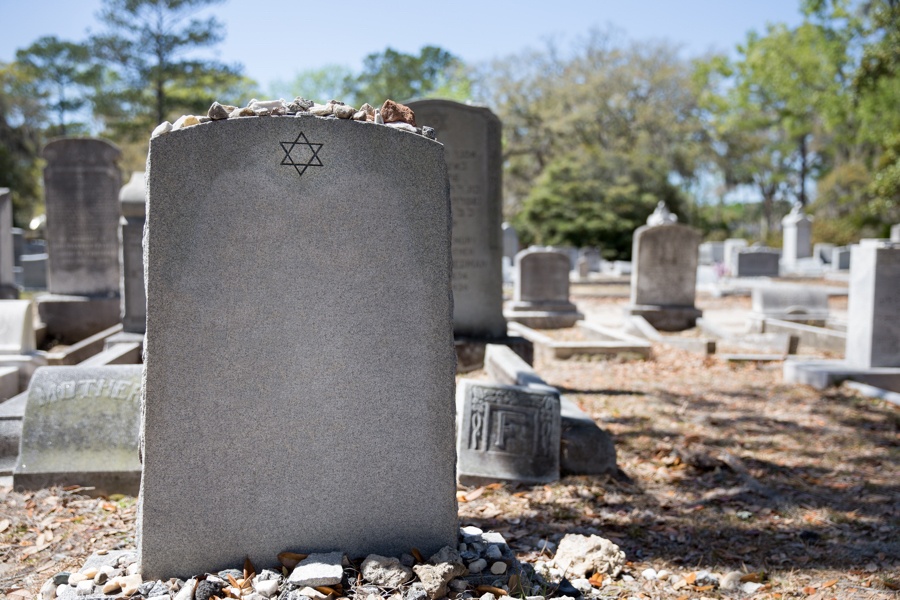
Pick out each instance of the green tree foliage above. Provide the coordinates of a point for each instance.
(22, 117)
(434, 72)
(151, 79)
(65, 75)
(331, 82)
(593, 138)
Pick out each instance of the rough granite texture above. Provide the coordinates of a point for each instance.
(472, 147)
(299, 374)
(81, 427)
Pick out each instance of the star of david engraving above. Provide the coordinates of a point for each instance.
(301, 150)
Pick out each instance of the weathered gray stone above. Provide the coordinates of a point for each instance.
(796, 236)
(581, 555)
(8, 287)
(593, 258)
(81, 427)
(510, 241)
(895, 233)
(81, 185)
(317, 570)
(840, 258)
(34, 271)
(385, 571)
(873, 329)
(472, 148)
(585, 449)
(756, 262)
(16, 327)
(435, 578)
(351, 420)
(664, 275)
(791, 303)
(133, 197)
(506, 432)
(541, 293)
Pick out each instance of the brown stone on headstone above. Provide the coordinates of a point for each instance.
(394, 112)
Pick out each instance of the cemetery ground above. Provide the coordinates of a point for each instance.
(723, 469)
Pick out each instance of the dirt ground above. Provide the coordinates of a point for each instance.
(723, 468)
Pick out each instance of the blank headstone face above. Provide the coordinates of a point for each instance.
(81, 427)
(471, 138)
(507, 432)
(664, 265)
(16, 327)
(81, 184)
(895, 233)
(299, 392)
(510, 241)
(134, 300)
(543, 277)
(757, 263)
(873, 327)
(797, 237)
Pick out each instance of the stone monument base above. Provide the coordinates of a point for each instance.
(821, 374)
(124, 337)
(470, 351)
(543, 315)
(70, 319)
(102, 483)
(667, 318)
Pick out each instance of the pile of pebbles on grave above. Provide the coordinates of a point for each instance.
(391, 114)
(481, 566)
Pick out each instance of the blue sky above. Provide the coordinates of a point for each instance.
(275, 40)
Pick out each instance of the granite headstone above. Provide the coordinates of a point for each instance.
(8, 289)
(796, 236)
(330, 352)
(873, 328)
(664, 274)
(81, 183)
(81, 427)
(541, 293)
(472, 149)
(506, 432)
(757, 262)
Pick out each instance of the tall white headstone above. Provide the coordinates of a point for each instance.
(873, 329)
(796, 229)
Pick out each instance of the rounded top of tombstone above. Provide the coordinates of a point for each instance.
(81, 151)
(661, 216)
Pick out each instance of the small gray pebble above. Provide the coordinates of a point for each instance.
(493, 552)
(407, 560)
(458, 585)
(233, 572)
(85, 588)
(415, 593)
(477, 566)
(206, 589)
(468, 555)
(61, 578)
(429, 132)
(268, 574)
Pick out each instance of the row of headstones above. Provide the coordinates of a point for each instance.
(317, 372)
(739, 260)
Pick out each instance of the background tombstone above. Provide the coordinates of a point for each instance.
(351, 419)
(510, 241)
(8, 289)
(133, 199)
(541, 293)
(506, 432)
(593, 257)
(664, 273)
(471, 138)
(822, 253)
(895, 233)
(840, 258)
(81, 427)
(796, 235)
(81, 185)
(873, 327)
(731, 247)
(16, 327)
(34, 271)
(757, 262)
